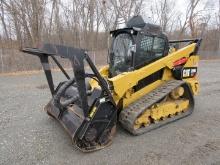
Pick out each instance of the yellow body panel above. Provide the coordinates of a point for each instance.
(127, 80)
(123, 83)
(104, 72)
(135, 96)
(193, 61)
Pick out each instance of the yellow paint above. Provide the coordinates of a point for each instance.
(104, 72)
(140, 93)
(123, 83)
(127, 80)
(92, 113)
(167, 74)
(194, 85)
(167, 108)
(176, 93)
(161, 111)
(193, 61)
(144, 120)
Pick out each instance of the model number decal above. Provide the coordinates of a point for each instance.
(189, 72)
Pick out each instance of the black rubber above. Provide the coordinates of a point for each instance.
(129, 115)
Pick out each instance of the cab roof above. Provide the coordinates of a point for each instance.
(137, 23)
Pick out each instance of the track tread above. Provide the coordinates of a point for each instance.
(128, 116)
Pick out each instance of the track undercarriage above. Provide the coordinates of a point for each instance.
(171, 101)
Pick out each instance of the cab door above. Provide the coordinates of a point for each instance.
(121, 55)
(149, 49)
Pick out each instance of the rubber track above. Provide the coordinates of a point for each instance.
(128, 116)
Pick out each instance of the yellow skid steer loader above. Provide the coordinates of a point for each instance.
(147, 83)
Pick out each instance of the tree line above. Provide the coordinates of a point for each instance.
(86, 23)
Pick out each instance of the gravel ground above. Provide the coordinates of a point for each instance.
(29, 136)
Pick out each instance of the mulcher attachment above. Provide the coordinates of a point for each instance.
(87, 133)
(88, 116)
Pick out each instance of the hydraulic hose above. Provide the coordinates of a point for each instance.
(61, 91)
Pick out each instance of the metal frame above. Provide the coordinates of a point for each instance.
(198, 42)
(77, 57)
(185, 40)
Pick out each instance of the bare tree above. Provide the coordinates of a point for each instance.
(191, 19)
(86, 23)
(218, 25)
(2, 16)
(165, 13)
(125, 9)
(193, 16)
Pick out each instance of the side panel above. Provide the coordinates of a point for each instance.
(132, 97)
(124, 84)
(193, 82)
(167, 75)
(127, 80)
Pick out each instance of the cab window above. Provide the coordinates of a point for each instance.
(158, 46)
(151, 48)
(121, 54)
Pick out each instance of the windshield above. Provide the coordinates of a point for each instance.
(121, 53)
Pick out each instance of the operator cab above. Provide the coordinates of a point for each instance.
(136, 45)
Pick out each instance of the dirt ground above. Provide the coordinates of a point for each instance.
(29, 136)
